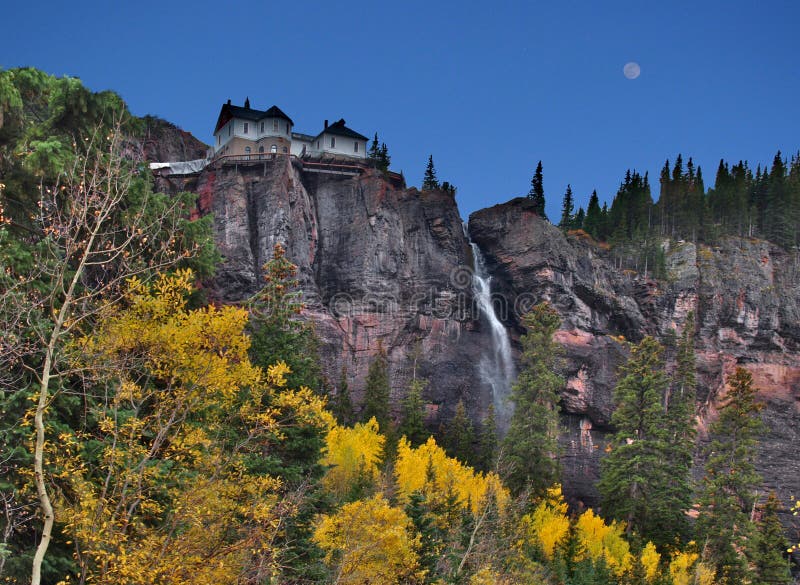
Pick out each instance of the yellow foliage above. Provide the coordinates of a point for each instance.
(177, 503)
(680, 568)
(549, 524)
(604, 540)
(353, 455)
(429, 470)
(685, 570)
(650, 560)
(371, 542)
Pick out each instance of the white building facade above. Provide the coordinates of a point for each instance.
(246, 131)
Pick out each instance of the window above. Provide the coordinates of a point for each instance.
(247, 150)
(262, 126)
(261, 149)
(245, 127)
(230, 127)
(274, 148)
(287, 128)
(275, 125)
(333, 141)
(285, 150)
(219, 139)
(317, 144)
(355, 145)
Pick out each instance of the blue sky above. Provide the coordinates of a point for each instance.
(488, 88)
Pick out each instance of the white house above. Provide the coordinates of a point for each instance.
(245, 131)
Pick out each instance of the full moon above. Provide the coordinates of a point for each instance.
(631, 70)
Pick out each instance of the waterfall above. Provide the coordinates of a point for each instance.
(496, 367)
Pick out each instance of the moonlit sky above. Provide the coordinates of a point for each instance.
(488, 88)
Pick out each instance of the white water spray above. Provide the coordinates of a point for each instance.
(496, 366)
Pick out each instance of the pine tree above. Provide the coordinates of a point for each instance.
(374, 150)
(578, 220)
(460, 435)
(412, 414)
(342, 402)
(593, 221)
(771, 566)
(729, 485)
(536, 194)
(377, 391)
(530, 448)
(430, 182)
(635, 482)
(676, 498)
(567, 207)
(487, 441)
(384, 159)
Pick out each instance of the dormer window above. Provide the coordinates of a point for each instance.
(245, 128)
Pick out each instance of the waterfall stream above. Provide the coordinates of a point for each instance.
(496, 366)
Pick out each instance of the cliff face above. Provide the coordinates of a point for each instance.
(379, 267)
(387, 267)
(744, 295)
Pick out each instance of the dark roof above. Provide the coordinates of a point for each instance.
(339, 129)
(229, 111)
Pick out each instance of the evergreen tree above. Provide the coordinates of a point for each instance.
(729, 485)
(487, 443)
(460, 435)
(531, 446)
(275, 332)
(377, 391)
(429, 181)
(635, 481)
(680, 408)
(374, 150)
(578, 220)
(592, 223)
(771, 566)
(342, 405)
(384, 160)
(567, 207)
(412, 414)
(536, 194)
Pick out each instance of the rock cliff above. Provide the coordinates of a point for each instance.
(744, 296)
(384, 266)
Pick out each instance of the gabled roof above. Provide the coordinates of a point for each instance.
(229, 111)
(339, 129)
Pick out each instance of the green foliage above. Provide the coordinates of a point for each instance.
(277, 333)
(342, 402)
(487, 442)
(378, 155)
(412, 414)
(567, 207)
(640, 482)
(730, 481)
(530, 449)
(459, 436)
(769, 555)
(429, 181)
(536, 194)
(377, 391)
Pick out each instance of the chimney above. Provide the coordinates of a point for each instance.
(247, 102)
(326, 124)
(229, 102)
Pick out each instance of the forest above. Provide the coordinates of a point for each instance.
(151, 436)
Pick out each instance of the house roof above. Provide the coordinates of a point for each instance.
(229, 111)
(339, 129)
